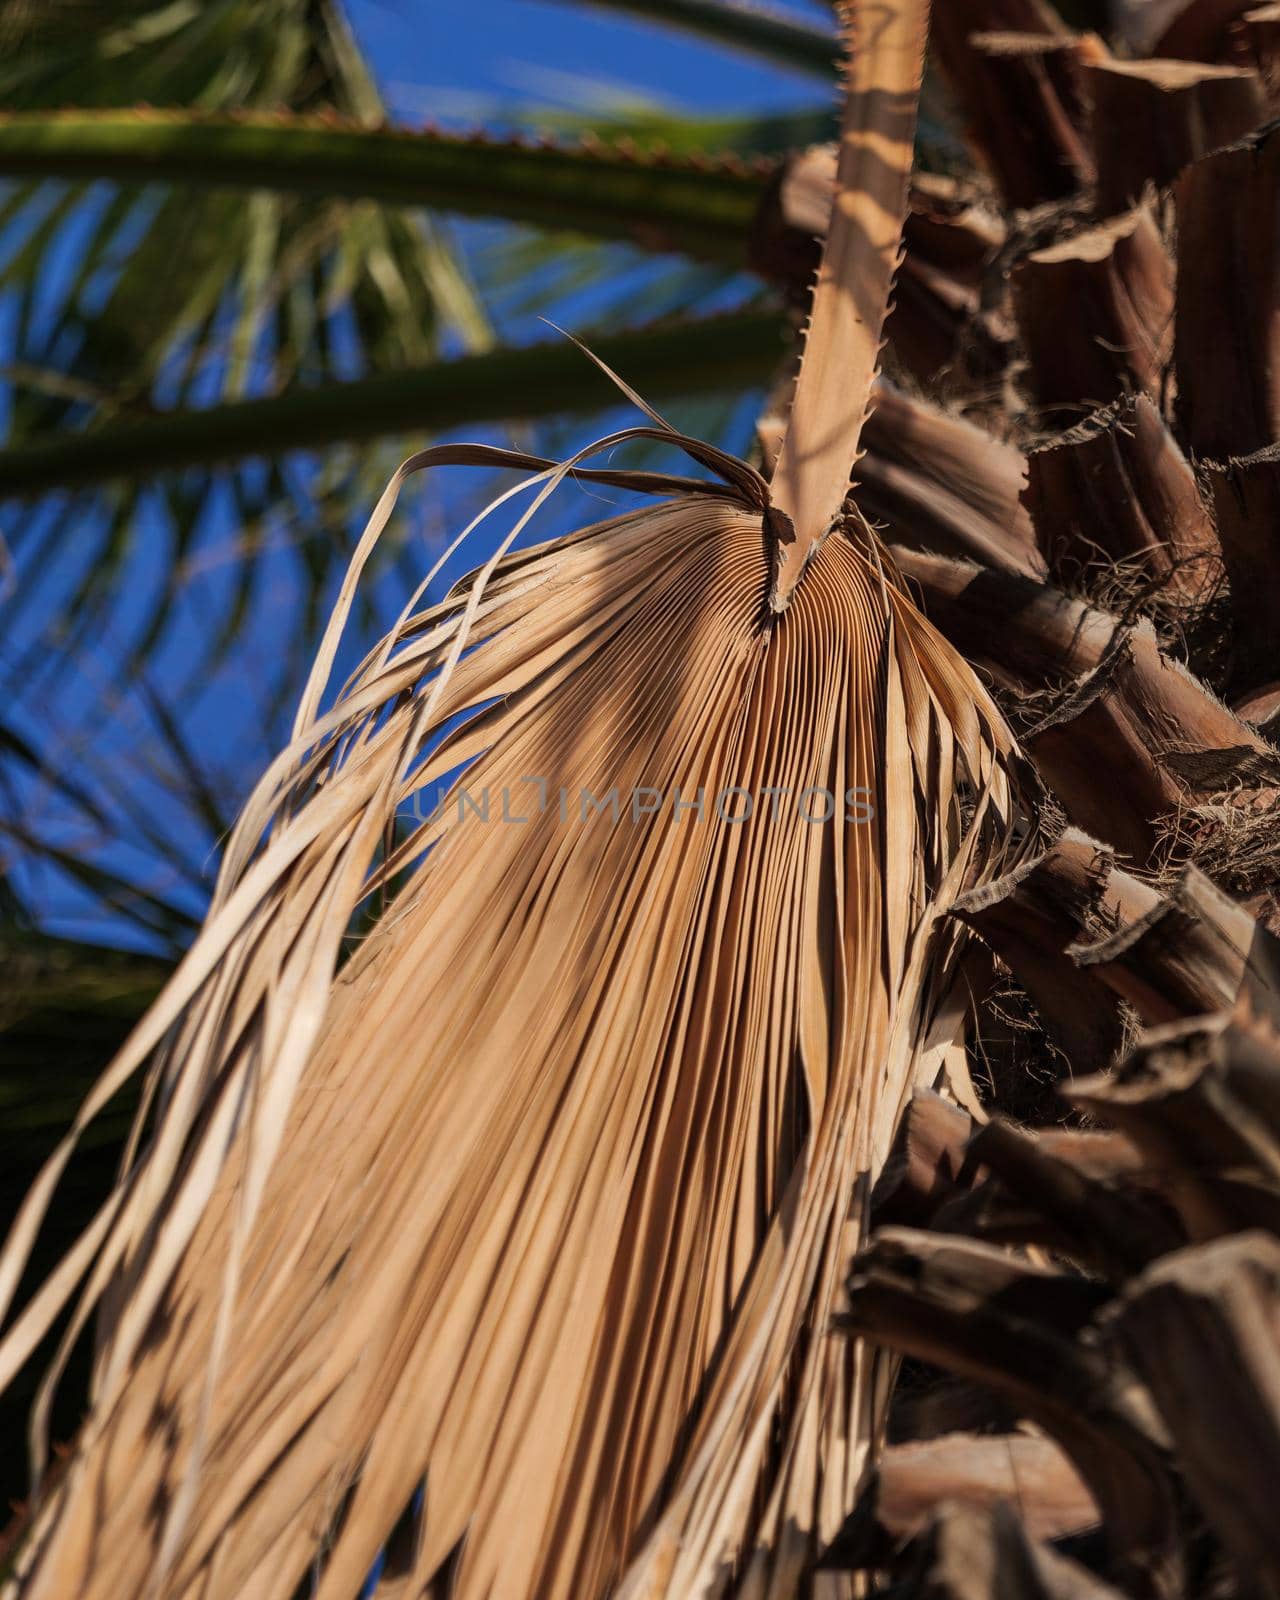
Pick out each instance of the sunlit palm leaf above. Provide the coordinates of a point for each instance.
(655, 918)
(546, 1195)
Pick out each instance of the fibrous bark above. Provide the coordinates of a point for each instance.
(1227, 341)
(1029, 918)
(1201, 1099)
(1040, 1192)
(1158, 1374)
(976, 1472)
(1150, 119)
(926, 1163)
(973, 1309)
(1122, 707)
(1012, 99)
(1023, 95)
(1117, 491)
(1246, 500)
(940, 320)
(1198, 950)
(967, 1554)
(1213, 1311)
(1117, 280)
(945, 484)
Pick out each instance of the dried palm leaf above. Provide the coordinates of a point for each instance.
(545, 1197)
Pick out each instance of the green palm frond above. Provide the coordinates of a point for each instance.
(197, 52)
(525, 382)
(760, 30)
(61, 813)
(176, 287)
(701, 206)
(655, 129)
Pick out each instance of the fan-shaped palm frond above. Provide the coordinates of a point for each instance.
(546, 1195)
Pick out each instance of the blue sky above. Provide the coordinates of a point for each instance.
(463, 63)
(453, 59)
